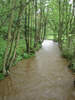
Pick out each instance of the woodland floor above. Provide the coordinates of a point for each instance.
(43, 77)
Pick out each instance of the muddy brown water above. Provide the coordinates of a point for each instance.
(43, 77)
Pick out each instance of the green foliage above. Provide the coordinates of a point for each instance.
(67, 53)
(33, 26)
(26, 56)
(1, 76)
(20, 53)
(21, 47)
(2, 50)
(66, 35)
(72, 67)
(53, 20)
(38, 46)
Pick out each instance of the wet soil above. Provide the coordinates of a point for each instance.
(43, 77)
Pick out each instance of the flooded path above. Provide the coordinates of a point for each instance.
(43, 77)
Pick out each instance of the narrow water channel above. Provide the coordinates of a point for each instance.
(43, 77)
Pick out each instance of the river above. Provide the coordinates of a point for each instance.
(43, 77)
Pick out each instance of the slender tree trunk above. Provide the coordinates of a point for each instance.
(9, 37)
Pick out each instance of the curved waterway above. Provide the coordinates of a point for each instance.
(43, 77)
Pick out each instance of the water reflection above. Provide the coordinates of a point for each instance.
(47, 44)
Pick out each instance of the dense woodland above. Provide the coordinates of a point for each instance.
(25, 24)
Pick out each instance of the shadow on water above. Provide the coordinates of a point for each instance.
(43, 77)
